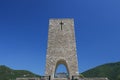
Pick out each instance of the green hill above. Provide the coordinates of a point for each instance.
(9, 74)
(111, 71)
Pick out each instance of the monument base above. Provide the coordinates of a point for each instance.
(60, 79)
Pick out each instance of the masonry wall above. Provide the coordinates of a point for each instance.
(61, 47)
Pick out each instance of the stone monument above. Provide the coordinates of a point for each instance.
(61, 50)
(61, 47)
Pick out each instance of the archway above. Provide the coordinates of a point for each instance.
(61, 70)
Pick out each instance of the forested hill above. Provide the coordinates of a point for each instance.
(110, 70)
(7, 73)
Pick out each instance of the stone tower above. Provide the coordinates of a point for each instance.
(61, 47)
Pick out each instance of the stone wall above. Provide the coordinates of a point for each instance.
(61, 47)
(94, 79)
(34, 78)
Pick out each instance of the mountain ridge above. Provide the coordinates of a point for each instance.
(7, 73)
(109, 70)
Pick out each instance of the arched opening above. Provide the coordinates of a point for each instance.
(61, 70)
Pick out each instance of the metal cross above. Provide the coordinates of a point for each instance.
(61, 23)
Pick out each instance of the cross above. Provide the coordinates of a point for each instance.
(61, 23)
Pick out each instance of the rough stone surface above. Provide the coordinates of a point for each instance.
(61, 79)
(94, 79)
(28, 78)
(83, 79)
(61, 47)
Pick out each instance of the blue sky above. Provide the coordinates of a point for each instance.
(24, 31)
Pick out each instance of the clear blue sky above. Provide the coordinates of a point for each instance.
(24, 31)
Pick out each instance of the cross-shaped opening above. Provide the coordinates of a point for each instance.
(61, 23)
